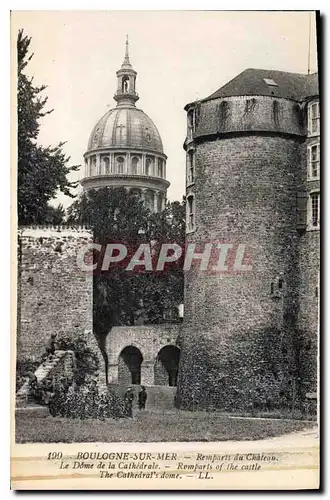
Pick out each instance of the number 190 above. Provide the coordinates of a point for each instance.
(53, 455)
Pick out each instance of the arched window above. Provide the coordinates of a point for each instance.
(134, 165)
(120, 164)
(125, 84)
(190, 213)
(93, 165)
(105, 165)
(149, 166)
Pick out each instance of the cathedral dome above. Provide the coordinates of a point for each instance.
(125, 127)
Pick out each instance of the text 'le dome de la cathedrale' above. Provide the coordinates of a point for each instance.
(252, 177)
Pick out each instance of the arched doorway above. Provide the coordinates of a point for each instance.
(129, 366)
(166, 366)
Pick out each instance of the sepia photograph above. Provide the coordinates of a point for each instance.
(166, 227)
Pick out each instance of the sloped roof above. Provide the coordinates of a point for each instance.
(251, 82)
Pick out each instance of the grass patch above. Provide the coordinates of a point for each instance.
(151, 427)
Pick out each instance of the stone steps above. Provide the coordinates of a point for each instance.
(45, 369)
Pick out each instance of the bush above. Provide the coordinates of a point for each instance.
(84, 401)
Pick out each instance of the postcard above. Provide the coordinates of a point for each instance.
(166, 250)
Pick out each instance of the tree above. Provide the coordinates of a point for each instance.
(121, 297)
(41, 172)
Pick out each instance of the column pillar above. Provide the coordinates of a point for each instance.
(113, 373)
(128, 163)
(147, 373)
(131, 84)
(112, 160)
(143, 164)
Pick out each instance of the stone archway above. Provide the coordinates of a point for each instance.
(129, 366)
(166, 366)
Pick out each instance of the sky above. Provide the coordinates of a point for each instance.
(180, 56)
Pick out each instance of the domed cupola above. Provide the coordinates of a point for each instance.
(125, 148)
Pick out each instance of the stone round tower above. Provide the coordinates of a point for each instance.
(244, 147)
(125, 148)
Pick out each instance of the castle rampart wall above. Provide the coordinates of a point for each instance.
(54, 295)
(238, 343)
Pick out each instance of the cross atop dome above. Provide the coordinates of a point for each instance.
(126, 76)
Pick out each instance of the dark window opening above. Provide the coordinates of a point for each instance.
(191, 214)
(120, 165)
(125, 84)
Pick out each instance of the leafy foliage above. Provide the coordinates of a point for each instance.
(42, 171)
(121, 297)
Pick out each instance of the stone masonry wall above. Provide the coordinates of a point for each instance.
(249, 114)
(55, 296)
(309, 289)
(309, 299)
(148, 339)
(309, 286)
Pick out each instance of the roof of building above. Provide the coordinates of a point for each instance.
(270, 82)
(125, 127)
